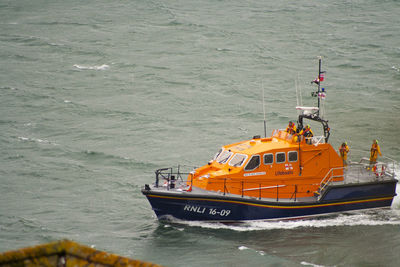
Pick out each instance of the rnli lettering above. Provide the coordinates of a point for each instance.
(210, 211)
(194, 209)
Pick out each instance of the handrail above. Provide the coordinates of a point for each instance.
(390, 160)
(170, 175)
(352, 173)
(267, 187)
(316, 140)
(386, 167)
(227, 184)
(326, 181)
(295, 138)
(225, 187)
(294, 193)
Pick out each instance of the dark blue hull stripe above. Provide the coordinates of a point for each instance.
(206, 209)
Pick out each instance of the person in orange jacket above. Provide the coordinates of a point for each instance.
(291, 129)
(344, 150)
(375, 150)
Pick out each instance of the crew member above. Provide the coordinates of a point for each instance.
(375, 150)
(307, 133)
(291, 129)
(344, 150)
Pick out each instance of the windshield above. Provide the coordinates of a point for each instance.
(218, 153)
(238, 160)
(224, 156)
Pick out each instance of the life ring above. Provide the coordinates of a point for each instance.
(188, 188)
(375, 170)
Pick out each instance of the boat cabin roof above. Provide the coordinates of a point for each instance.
(280, 140)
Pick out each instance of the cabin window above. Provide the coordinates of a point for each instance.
(218, 153)
(280, 157)
(268, 159)
(292, 155)
(253, 163)
(238, 160)
(224, 157)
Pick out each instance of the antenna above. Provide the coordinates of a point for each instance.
(314, 113)
(301, 96)
(265, 122)
(319, 83)
(297, 91)
(320, 93)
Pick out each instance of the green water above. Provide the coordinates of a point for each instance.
(96, 95)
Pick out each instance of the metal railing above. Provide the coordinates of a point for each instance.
(389, 163)
(361, 171)
(175, 178)
(282, 134)
(171, 176)
(328, 179)
(257, 189)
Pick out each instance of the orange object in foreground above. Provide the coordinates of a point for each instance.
(66, 253)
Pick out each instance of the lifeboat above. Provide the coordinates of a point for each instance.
(284, 176)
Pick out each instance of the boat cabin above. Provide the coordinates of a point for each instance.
(281, 166)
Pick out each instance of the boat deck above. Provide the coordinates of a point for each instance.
(362, 173)
(201, 192)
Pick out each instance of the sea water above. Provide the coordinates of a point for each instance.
(96, 95)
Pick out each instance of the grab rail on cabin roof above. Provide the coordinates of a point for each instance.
(316, 140)
(295, 138)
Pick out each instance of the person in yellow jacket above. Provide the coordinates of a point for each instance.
(307, 133)
(291, 129)
(344, 150)
(375, 150)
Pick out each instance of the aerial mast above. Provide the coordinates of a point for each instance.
(265, 122)
(319, 85)
(320, 94)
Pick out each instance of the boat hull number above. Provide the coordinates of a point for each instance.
(205, 210)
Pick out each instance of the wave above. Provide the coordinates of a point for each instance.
(36, 140)
(8, 88)
(101, 67)
(396, 200)
(310, 264)
(262, 253)
(30, 40)
(361, 218)
(125, 162)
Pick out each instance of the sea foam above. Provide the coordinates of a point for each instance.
(101, 67)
